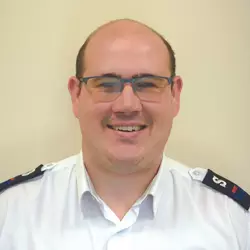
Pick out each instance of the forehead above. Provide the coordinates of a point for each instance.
(126, 51)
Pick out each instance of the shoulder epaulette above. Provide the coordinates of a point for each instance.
(222, 185)
(39, 171)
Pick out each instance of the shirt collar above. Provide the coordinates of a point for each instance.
(157, 186)
(155, 189)
(81, 178)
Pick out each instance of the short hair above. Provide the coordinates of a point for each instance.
(80, 60)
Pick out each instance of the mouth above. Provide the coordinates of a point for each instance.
(127, 128)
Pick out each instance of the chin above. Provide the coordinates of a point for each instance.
(127, 155)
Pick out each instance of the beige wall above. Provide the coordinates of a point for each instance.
(38, 44)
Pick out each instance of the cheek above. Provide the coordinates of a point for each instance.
(161, 113)
(164, 120)
(91, 116)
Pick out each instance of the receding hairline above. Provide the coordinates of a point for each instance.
(80, 60)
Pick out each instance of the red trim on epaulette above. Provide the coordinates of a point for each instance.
(228, 188)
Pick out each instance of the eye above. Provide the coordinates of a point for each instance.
(150, 84)
(102, 83)
(106, 84)
(145, 84)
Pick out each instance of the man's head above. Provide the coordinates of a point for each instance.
(110, 110)
(80, 62)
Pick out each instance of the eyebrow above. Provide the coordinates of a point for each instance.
(133, 76)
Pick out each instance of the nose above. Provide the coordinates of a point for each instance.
(127, 101)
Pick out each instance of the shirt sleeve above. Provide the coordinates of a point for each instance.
(3, 211)
(240, 221)
(248, 233)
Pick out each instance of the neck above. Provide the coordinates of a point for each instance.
(121, 190)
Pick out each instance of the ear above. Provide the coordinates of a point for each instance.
(75, 91)
(176, 93)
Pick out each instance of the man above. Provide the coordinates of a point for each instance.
(121, 192)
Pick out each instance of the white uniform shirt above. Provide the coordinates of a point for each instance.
(61, 211)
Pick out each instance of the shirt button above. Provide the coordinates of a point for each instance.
(196, 173)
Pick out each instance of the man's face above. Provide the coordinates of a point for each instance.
(125, 55)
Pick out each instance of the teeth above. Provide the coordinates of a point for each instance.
(127, 128)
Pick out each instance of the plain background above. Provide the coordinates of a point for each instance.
(39, 41)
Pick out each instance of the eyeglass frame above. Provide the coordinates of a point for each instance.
(127, 80)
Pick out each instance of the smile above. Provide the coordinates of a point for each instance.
(127, 128)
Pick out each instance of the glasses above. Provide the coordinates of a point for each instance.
(108, 88)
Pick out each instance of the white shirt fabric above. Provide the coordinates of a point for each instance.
(61, 211)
